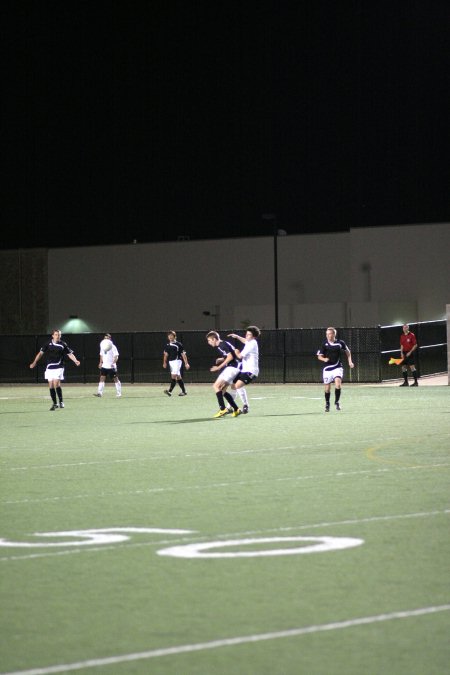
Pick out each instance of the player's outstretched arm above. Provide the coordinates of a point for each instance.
(237, 337)
(73, 358)
(36, 359)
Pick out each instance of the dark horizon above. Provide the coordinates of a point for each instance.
(134, 123)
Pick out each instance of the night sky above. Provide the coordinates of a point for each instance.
(151, 121)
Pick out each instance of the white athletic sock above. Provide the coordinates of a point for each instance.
(118, 387)
(101, 386)
(243, 395)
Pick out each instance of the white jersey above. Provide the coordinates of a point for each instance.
(250, 358)
(109, 357)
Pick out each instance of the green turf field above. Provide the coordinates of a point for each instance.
(139, 535)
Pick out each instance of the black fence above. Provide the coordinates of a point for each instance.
(285, 355)
(431, 356)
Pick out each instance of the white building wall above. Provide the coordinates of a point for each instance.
(364, 277)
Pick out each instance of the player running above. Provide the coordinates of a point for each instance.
(331, 354)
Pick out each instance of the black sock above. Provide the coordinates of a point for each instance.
(337, 395)
(59, 392)
(181, 385)
(230, 400)
(172, 385)
(53, 395)
(414, 374)
(327, 397)
(405, 375)
(220, 400)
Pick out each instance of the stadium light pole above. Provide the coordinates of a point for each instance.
(271, 217)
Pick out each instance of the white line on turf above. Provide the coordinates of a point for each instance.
(233, 641)
(309, 398)
(228, 535)
(164, 456)
(213, 486)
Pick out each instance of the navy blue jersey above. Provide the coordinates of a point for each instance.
(226, 348)
(333, 351)
(55, 353)
(174, 350)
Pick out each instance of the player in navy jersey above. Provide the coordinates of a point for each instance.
(175, 357)
(331, 353)
(55, 352)
(227, 365)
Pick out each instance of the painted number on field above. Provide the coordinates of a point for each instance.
(259, 547)
(112, 535)
(240, 548)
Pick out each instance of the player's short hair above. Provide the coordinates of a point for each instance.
(171, 332)
(333, 329)
(214, 334)
(254, 330)
(107, 336)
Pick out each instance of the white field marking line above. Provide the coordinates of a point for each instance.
(211, 486)
(234, 641)
(226, 536)
(259, 398)
(309, 398)
(149, 458)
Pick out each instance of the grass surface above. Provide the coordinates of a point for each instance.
(377, 471)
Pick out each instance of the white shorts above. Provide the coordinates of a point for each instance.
(228, 374)
(330, 374)
(54, 374)
(175, 366)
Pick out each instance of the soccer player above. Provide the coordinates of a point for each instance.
(108, 365)
(55, 351)
(408, 346)
(331, 353)
(175, 356)
(227, 364)
(249, 361)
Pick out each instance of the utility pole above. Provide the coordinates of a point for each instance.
(271, 217)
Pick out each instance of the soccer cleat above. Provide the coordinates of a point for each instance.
(221, 413)
(245, 410)
(183, 393)
(99, 395)
(118, 395)
(167, 392)
(236, 413)
(404, 384)
(327, 407)
(338, 407)
(61, 405)
(54, 407)
(415, 384)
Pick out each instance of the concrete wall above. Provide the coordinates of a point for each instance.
(23, 291)
(364, 277)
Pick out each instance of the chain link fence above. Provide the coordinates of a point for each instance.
(286, 355)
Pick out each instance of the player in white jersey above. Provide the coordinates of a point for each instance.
(249, 358)
(109, 355)
(227, 367)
